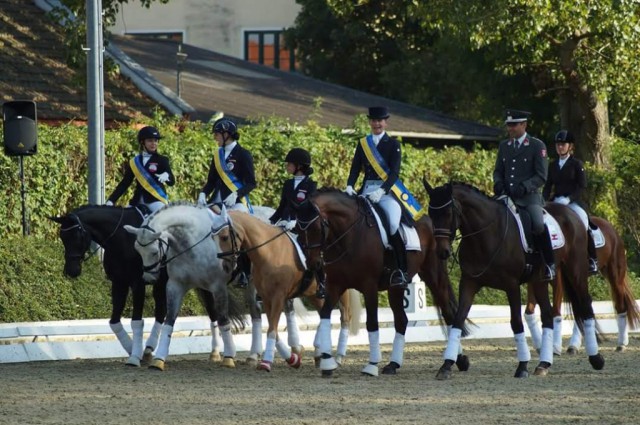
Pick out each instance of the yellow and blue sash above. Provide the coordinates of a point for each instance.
(381, 168)
(230, 179)
(146, 180)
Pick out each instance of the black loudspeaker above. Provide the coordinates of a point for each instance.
(20, 127)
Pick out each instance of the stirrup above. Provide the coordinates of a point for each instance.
(398, 278)
(550, 272)
(320, 293)
(242, 281)
(593, 266)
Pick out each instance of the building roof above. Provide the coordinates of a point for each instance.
(34, 68)
(213, 83)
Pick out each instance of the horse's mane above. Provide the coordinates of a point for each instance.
(473, 189)
(169, 215)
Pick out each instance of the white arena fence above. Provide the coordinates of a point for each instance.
(93, 339)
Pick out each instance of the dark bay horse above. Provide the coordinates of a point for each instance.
(491, 254)
(612, 263)
(340, 235)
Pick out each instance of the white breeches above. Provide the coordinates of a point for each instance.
(581, 213)
(393, 211)
(240, 207)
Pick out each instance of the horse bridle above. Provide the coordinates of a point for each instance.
(87, 236)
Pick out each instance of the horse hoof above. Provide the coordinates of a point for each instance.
(294, 361)
(327, 373)
(148, 355)
(133, 361)
(541, 371)
(370, 370)
(328, 364)
(252, 360)
(341, 360)
(597, 361)
(572, 350)
(521, 374)
(299, 349)
(443, 374)
(215, 357)
(391, 368)
(228, 362)
(462, 362)
(557, 351)
(264, 365)
(621, 348)
(157, 364)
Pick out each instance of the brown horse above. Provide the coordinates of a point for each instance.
(340, 235)
(612, 263)
(491, 254)
(277, 275)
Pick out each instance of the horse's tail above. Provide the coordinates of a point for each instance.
(300, 310)
(616, 271)
(356, 311)
(237, 313)
(629, 301)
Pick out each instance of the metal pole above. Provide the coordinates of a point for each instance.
(95, 102)
(25, 228)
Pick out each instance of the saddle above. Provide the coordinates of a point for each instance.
(408, 232)
(524, 226)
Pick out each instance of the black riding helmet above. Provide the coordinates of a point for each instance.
(148, 132)
(298, 156)
(564, 136)
(225, 125)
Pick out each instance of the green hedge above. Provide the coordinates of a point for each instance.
(32, 286)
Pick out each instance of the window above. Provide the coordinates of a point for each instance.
(268, 48)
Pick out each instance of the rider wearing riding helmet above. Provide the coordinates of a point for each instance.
(231, 178)
(566, 182)
(151, 172)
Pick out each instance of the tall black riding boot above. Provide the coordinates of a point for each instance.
(399, 276)
(593, 256)
(244, 264)
(543, 242)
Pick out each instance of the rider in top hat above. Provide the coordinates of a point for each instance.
(150, 170)
(565, 184)
(520, 172)
(379, 157)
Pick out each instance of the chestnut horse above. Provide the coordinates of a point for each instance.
(340, 235)
(491, 254)
(612, 263)
(277, 275)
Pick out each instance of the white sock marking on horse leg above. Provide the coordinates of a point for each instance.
(137, 331)
(453, 344)
(524, 355)
(163, 345)
(122, 335)
(576, 337)
(343, 339)
(324, 336)
(283, 350)
(292, 329)
(623, 331)
(397, 352)
(590, 341)
(534, 330)
(557, 334)
(270, 349)
(374, 347)
(546, 348)
(227, 340)
(152, 341)
(256, 336)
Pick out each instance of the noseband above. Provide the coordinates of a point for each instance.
(163, 247)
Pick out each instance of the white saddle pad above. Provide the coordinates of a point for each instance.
(301, 256)
(409, 234)
(598, 237)
(555, 232)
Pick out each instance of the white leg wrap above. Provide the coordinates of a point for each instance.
(216, 342)
(374, 347)
(227, 340)
(270, 349)
(524, 355)
(460, 350)
(163, 345)
(137, 330)
(343, 339)
(152, 341)
(122, 335)
(590, 341)
(576, 337)
(453, 344)
(546, 348)
(534, 330)
(256, 336)
(316, 339)
(623, 331)
(557, 334)
(324, 336)
(283, 350)
(397, 353)
(293, 337)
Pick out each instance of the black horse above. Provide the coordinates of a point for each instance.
(491, 254)
(104, 225)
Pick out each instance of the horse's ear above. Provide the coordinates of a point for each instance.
(426, 184)
(224, 214)
(56, 219)
(131, 229)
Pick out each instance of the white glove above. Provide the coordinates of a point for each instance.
(231, 199)
(289, 225)
(202, 199)
(109, 203)
(376, 195)
(349, 190)
(564, 200)
(163, 177)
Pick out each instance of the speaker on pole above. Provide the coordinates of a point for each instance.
(20, 128)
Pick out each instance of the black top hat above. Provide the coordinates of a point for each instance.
(378, 113)
(513, 116)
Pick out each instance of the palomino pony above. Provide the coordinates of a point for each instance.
(491, 254)
(277, 275)
(178, 236)
(122, 264)
(340, 235)
(612, 263)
